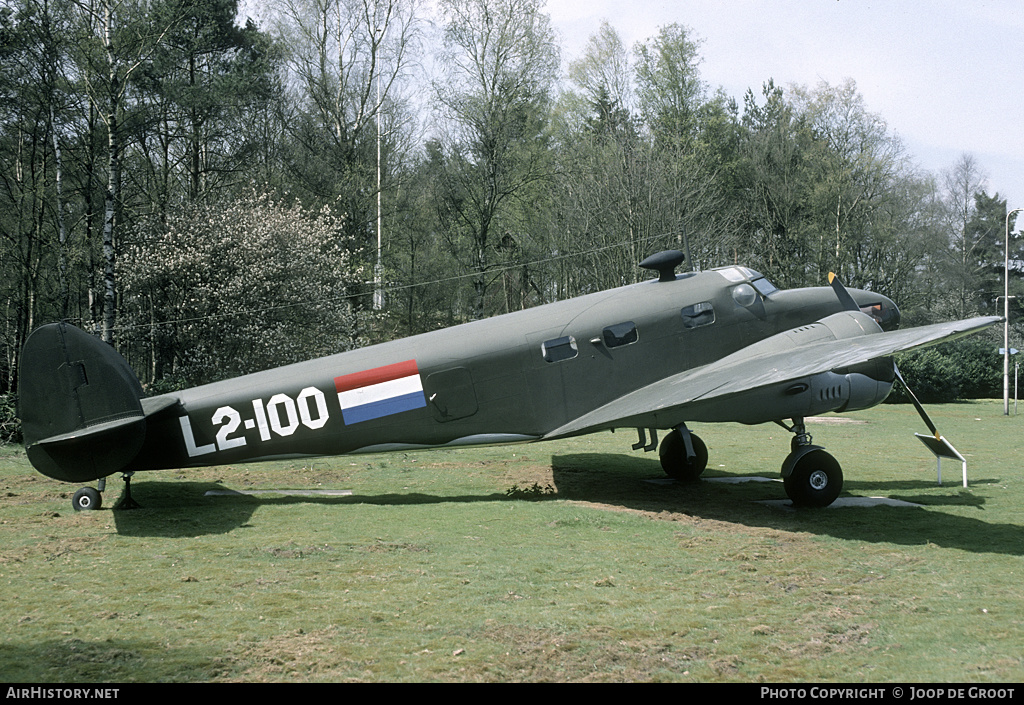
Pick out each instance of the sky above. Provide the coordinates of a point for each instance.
(946, 76)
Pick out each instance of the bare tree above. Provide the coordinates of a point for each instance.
(501, 60)
(119, 39)
(604, 72)
(963, 264)
(347, 65)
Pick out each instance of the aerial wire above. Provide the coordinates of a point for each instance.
(383, 289)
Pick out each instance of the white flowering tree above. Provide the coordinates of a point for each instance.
(234, 287)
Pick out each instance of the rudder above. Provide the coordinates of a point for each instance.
(80, 405)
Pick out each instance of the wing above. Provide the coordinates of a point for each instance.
(839, 341)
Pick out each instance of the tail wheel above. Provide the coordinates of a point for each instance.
(674, 461)
(86, 499)
(815, 481)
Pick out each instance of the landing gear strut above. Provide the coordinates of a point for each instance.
(90, 499)
(811, 476)
(126, 499)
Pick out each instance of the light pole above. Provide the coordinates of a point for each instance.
(1006, 316)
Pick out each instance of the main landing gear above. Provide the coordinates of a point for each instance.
(89, 499)
(683, 455)
(810, 475)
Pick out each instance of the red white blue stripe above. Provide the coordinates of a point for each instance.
(380, 392)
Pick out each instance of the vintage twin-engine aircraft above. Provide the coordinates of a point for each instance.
(719, 345)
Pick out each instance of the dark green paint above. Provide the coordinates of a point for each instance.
(756, 359)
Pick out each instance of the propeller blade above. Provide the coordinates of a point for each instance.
(917, 404)
(841, 293)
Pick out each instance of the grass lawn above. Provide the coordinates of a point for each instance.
(561, 561)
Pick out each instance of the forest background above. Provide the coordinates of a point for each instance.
(206, 194)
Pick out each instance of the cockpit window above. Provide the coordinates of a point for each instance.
(742, 275)
(734, 274)
(764, 287)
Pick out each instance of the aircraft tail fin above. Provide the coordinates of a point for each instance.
(80, 405)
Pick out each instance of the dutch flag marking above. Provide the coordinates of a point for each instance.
(382, 391)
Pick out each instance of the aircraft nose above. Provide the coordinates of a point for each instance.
(886, 313)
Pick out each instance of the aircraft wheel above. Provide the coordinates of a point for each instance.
(86, 499)
(816, 480)
(674, 461)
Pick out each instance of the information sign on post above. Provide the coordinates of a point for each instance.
(941, 448)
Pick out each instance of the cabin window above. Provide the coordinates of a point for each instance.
(702, 314)
(559, 349)
(620, 334)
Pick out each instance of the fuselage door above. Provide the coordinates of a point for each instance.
(450, 394)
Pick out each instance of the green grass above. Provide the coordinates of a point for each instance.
(542, 562)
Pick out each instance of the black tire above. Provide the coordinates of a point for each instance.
(674, 461)
(87, 499)
(816, 480)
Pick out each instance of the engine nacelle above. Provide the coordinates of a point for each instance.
(850, 389)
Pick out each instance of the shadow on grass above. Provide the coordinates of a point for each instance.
(111, 661)
(619, 480)
(181, 509)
